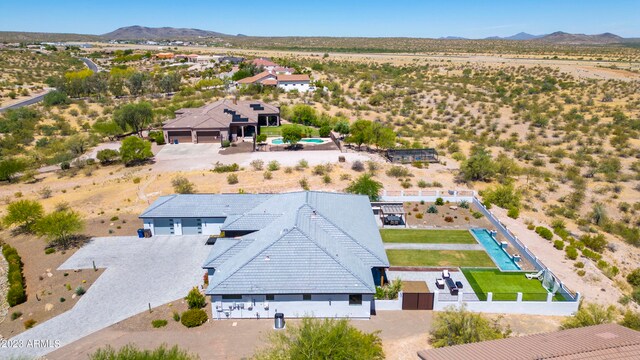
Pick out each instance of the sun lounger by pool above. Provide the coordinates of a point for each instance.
(537, 275)
(440, 283)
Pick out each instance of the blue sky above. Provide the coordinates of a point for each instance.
(426, 18)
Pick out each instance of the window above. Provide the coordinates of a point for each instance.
(270, 297)
(355, 299)
(232, 297)
(306, 297)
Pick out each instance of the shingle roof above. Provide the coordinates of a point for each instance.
(607, 341)
(315, 241)
(219, 114)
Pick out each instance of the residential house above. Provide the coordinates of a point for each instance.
(606, 341)
(272, 67)
(299, 82)
(222, 120)
(301, 254)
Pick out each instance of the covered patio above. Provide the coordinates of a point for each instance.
(392, 214)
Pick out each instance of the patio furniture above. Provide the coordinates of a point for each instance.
(453, 289)
(445, 274)
(537, 275)
(459, 284)
(440, 283)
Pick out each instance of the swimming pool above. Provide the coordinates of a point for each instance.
(497, 253)
(279, 141)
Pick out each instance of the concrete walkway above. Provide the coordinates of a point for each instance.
(139, 273)
(406, 246)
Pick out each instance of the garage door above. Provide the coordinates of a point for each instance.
(163, 227)
(208, 136)
(181, 136)
(191, 226)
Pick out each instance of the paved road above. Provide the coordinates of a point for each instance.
(29, 101)
(404, 246)
(138, 272)
(90, 64)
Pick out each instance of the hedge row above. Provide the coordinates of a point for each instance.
(16, 294)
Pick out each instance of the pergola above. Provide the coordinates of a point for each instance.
(392, 214)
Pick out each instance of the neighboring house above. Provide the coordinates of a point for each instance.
(222, 120)
(231, 59)
(410, 155)
(299, 82)
(301, 254)
(272, 67)
(607, 341)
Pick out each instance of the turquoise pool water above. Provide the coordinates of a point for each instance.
(497, 253)
(279, 141)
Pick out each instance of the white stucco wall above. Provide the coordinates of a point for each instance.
(177, 226)
(301, 86)
(211, 226)
(148, 224)
(292, 306)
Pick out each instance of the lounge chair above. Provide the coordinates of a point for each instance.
(445, 274)
(537, 275)
(440, 283)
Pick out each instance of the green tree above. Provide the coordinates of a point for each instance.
(135, 150)
(195, 299)
(109, 128)
(136, 83)
(135, 116)
(382, 136)
(459, 326)
(590, 314)
(55, 97)
(10, 167)
(342, 127)
(366, 185)
(292, 133)
(631, 320)
(504, 196)
(24, 213)
(322, 339)
(361, 132)
(107, 156)
(304, 114)
(479, 166)
(131, 352)
(60, 226)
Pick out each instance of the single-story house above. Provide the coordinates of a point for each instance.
(272, 67)
(301, 254)
(606, 341)
(221, 120)
(299, 82)
(231, 59)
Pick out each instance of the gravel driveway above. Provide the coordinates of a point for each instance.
(138, 272)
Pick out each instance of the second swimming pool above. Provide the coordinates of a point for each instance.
(495, 251)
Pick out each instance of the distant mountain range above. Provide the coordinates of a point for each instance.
(164, 33)
(169, 33)
(558, 37)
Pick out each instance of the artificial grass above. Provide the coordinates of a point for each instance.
(506, 285)
(451, 258)
(271, 131)
(427, 236)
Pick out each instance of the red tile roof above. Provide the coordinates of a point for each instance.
(607, 341)
(295, 77)
(263, 62)
(256, 78)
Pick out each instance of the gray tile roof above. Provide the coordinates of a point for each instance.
(315, 241)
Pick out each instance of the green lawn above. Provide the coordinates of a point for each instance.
(272, 131)
(457, 258)
(505, 285)
(427, 236)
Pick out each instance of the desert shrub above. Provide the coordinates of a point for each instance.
(477, 214)
(226, 143)
(513, 212)
(267, 175)
(588, 253)
(232, 179)
(181, 185)
(631, 320)
(80, 291)
(572, 253)
(579, 265)
(439, 201)
(544, 232)
(50, 250)
(15, 315)
(419, 216)
(590, 314)
(633, 277)
(304, 183)
(504, 196)
(16, 293)
(257, 164)
(464, 204)
(398, 171)
(422, 184)
(558, 244)
(195, 299)
(273, 165)
(455, 326)
(448, 219)
(432, 209)
(157, 136)
(357, 166)
(221, 168)
(596, 243)
(302, 164)
(28, 324)
(108, 156)
(531, 227)
(193, 317)
(159, 323)
(176, 316)
(581, 272)
(130, 352)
